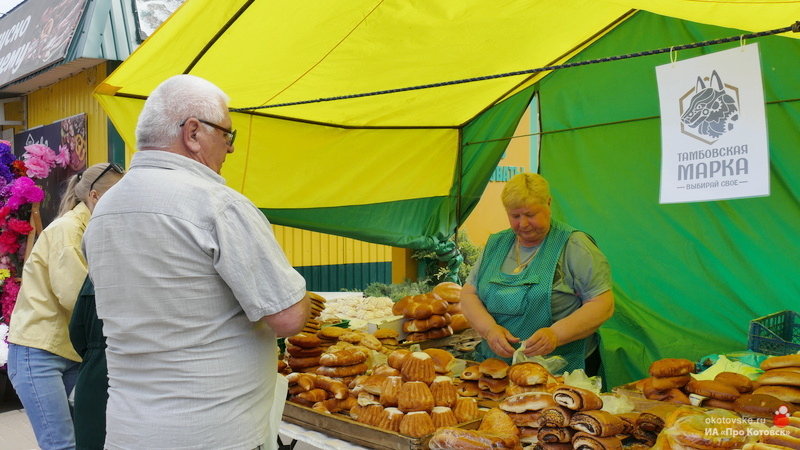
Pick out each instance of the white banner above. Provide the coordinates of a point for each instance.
(713, 127)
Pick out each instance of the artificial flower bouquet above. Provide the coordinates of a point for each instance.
(18, 192)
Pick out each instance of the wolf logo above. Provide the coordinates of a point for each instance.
(711, 109)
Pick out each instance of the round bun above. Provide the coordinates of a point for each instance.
(397, 358)
(331, 333)
(494, 367)
(459, 323)
(468, 388)
(304, 340)
(443, 361)
(472, 373)
(384, 333)
(493, 385)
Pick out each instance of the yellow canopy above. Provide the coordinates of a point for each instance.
(401, 168)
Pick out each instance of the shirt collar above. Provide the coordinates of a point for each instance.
(173, 161)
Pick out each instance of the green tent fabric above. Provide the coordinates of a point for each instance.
(688, 278)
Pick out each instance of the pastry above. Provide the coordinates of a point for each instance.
(553, 435)
(304, 340)
(497, 422)
(448, 291)
(530, 401)
(468, 388)
(597, 423)
(494, 367)
(779, 377)
(466, 409)
(391, 390)
(418, 366)
(577, 399)
(557, 416)
(444, 391)
(495, 386)
(471, 373)
(443, 417)
(585, 441)
(789, 394)
(671, 367)
(776, 362)
(527, 374)
(713, 389)
(346, 357)
(417, 424)
(452, 438)
(415, 396)
(737, 380)
(397, 358)
(760, 405)
(390, 419)
(667, 383)
(443, 361)
(342, 371)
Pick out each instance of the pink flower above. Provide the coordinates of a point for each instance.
(62, 159)
(23, 191)
(37, 168)
(39, 159)
(9, 298)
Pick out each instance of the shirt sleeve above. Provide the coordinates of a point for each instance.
(67, 272)
(586, 269)
(253, 264)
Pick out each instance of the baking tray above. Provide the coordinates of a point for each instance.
(345, 428)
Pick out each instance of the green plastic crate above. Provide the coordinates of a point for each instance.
(776, 334)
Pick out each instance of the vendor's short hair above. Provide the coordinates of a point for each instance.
(525, 189)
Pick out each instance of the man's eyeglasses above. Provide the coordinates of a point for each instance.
(111, 166)
(230, 135)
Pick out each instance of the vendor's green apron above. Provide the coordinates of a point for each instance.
(521, 302)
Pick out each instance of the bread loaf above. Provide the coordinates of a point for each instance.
(779, 377)
(666, 383)
(304, 340)
(346, 357)
(530, 401)
(448, 291)
(789, 394)
(777, 362)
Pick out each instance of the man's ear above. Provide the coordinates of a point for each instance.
(190, 136)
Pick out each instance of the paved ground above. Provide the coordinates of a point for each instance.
(15, 429)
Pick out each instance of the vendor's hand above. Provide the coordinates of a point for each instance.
(543, 342)
(500, 340)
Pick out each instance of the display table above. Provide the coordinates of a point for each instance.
(291, 434)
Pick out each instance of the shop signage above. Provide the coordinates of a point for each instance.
(35, 35)
(713, 127)
(70, 133)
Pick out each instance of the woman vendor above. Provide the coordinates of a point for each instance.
(541, 282)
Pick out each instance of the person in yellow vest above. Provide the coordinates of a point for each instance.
(42, 364)
(540, 283)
